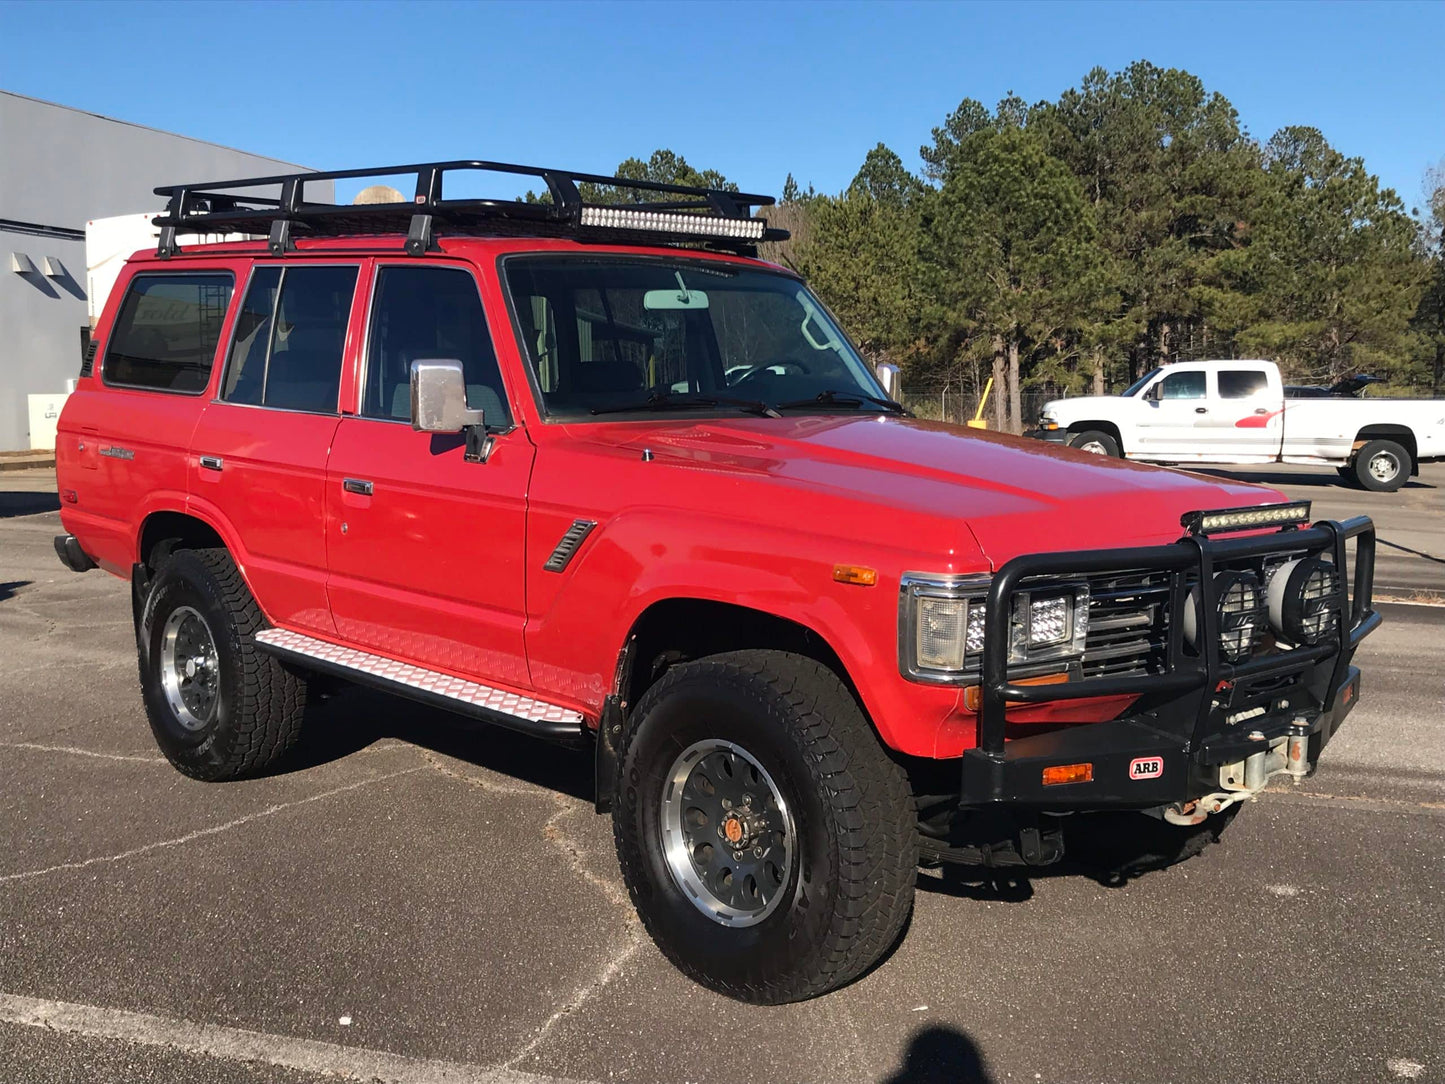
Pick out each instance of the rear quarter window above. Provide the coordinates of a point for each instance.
(166, 332)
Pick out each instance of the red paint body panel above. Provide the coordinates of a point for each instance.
(442, 564)
(430, 567)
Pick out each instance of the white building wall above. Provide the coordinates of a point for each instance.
(60, 167)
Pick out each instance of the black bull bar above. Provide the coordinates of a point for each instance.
(1182, 735)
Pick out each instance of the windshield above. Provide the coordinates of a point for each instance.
(1133, 389)
(605, 335)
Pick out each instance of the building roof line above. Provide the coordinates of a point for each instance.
(149, 128)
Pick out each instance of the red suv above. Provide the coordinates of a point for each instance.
(596, 473)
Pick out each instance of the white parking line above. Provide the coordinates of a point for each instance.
(237, 1044)
(202, 832)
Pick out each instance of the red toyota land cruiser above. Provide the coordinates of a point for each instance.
(597, 474)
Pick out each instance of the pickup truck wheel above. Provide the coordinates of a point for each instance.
(1096, 441)
(767, 840)
(1382, 465)
(219, 707)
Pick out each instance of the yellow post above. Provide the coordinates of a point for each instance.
(977, 422)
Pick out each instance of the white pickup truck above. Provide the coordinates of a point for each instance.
(1239, 412)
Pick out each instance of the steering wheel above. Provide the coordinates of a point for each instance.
(790, 367)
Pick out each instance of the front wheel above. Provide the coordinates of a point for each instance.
(767, 840)
(1095, 441)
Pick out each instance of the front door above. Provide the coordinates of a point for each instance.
(1171, 414)
(258, 456)
(425, 548)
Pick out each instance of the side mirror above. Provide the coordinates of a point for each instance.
(888, 377)
(439, 405)
(1154, 392)
(439, 397)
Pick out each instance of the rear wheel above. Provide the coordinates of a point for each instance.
(1382, 465)
(767, 840)
(219, 707)
(1095, 441)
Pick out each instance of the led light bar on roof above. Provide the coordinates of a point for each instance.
(620, 218)
(1244, 519)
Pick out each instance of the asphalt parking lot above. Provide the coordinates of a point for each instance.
(417, 901)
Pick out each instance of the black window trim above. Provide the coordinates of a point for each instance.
(105, 379)
(257, 265)
(382, 263)
(681, 256)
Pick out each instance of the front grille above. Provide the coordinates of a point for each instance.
(1128, 624)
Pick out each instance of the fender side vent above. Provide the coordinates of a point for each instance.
(571, 542)
(87, 362)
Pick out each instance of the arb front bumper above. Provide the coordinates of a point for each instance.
(1204, 732)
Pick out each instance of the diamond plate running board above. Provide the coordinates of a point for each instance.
(432, 687)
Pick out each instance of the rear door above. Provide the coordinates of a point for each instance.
(1174, 410)
(258, 457)
(1245, 419)
(426, 549)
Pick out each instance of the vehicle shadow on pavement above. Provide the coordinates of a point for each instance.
(1110, 849)
(19, 502)
(1301, 481)
(941, 1055)
(7, 590)
(346, 723)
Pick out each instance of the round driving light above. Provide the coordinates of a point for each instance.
(1240, 614)
(1304, 600)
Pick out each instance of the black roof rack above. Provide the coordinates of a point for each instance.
(697, 217)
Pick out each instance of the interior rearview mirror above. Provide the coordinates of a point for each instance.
(439, 397)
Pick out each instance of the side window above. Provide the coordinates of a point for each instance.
(1242, 383)
(289, 338)
(1183, 386)
(429, 312)
(166, 332)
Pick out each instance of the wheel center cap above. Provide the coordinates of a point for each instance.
(733, 830)
(190, 668)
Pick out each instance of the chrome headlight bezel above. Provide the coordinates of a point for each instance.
(917, 588)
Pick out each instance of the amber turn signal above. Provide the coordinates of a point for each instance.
(855, 574)
(973, 694)
(1068, 773)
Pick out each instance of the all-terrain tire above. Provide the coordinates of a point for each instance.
(849, 886)
(254, 715)
(1096, 441)
(1382, 465)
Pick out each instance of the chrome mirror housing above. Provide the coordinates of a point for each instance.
(439, 397)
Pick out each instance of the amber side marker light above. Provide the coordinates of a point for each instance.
(973, 694)
(1068, 773)
(855, 574)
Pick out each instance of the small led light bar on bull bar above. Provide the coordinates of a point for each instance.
(584, 206)
(1246, 519)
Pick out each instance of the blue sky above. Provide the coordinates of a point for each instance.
(755, 90)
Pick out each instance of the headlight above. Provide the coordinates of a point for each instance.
(1304, 600)
(1239, 616)
(941, 624)
(1048, 421)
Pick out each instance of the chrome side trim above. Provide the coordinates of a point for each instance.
(425, 684)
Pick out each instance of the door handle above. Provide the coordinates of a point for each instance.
(356, 485)
(212, 462)
(1201, 410)
(1261, 410)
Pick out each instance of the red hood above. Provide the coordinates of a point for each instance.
(1014, 494)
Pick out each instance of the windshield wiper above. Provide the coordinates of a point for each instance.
(833, 397)
(665, 400)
